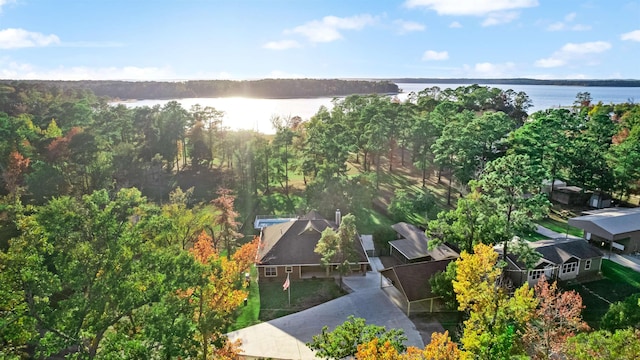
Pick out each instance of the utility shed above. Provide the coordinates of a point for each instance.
(413, 245)
(617, 227)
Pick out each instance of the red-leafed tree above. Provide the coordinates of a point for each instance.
(225, 219)
(14, 172)
(557, 317)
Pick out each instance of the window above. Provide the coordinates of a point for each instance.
(535, 274)
(569, 268)
(271, 271)
(587, 264)
(288, 269)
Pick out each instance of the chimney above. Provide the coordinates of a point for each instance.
(338, 217)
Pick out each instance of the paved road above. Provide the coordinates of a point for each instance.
(624, 260)
(285, 337)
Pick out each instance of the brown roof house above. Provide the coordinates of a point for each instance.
(617, 228)
(409, 282)
(287, 249)
(413, 246)
(561, 259)
(412, 283)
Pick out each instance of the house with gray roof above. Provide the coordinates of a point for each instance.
(616, 228)
(287, 249)
(412, 245)
(561, 259)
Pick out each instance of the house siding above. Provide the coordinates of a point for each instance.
(593, 271)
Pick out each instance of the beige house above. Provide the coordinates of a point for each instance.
(561, 259)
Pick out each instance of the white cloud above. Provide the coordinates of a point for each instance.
(435, 55)
(633, 36)
(573, 52)
(489, 70)
(327, 29)
(471, 7)
(550, 62)
(556, 26)
(281, 45)
(408, 26)
(570, 17)
(498, 18)
(455, 25)
(19, 38)
(18, 71)
(564, 25)
(5, 2)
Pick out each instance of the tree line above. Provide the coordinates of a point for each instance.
(264, 88)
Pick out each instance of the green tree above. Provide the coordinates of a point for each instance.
(81, 269)
(602, 344)
(343, 341)
(511, 185)
(472, 222)
(623, 314)
(442, 285)
(337, 248)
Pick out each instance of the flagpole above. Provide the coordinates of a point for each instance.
(289, 289)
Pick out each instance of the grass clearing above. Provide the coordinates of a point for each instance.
(619, 283)
(250, 314)
(368, 220)
(560, 227)
(532, 236)
(274, 301)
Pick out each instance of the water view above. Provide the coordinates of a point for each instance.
(255, 114)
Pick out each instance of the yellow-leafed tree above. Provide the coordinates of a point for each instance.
(496, 318)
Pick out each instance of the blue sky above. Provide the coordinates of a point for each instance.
(162, 39)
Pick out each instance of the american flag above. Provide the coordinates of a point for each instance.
(285, 286)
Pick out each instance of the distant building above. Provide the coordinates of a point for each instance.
(616, 228)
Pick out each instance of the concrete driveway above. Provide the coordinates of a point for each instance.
(285, 337)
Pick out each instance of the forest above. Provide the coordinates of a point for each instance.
(264, 88)
(126, 232)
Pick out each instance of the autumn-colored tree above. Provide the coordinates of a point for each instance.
(440, 348)
(245, 256)
(217, 297)
(378, 350)
(556, 318)
(496, 319)
(225, 219)
(14, 173)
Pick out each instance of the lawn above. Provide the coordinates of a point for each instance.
(560, 227)
(532, 236)
(274, 302)
(619, 283)
(369, 220)
(249, 315)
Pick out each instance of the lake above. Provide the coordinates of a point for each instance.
(255, 114)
